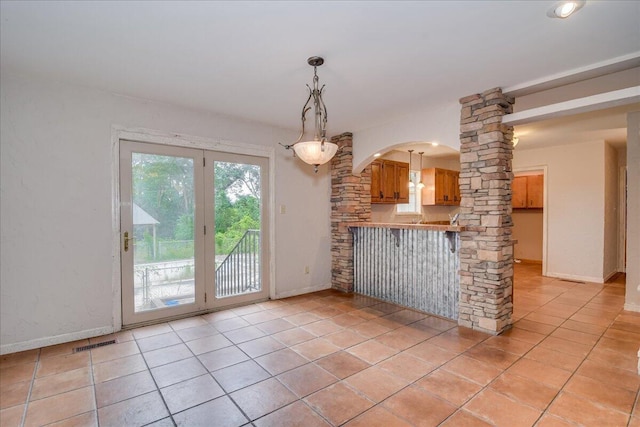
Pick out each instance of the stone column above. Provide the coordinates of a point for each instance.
(486, 253)
(350, 202)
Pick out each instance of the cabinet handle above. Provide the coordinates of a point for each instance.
(381, 195)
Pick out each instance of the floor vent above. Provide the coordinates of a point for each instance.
(572, 281)
(91, 346)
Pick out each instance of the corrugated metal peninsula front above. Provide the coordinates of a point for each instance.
(416, 268)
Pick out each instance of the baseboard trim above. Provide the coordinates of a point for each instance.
(575, 277)
(530, 261)
(632, 307)
(301, 291)
(609, 276)
(58, 339)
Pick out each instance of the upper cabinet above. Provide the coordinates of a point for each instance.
(527, 192)
(389, 182)
(441, 187)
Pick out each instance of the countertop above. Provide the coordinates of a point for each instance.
(436, 227)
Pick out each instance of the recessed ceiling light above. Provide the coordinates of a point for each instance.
(377, 155)
(434, 144)
(564, 9)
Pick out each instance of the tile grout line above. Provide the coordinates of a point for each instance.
(520, 357)
(574, 372)
(164, 402)
(31, 384)
(93, 386)
(633, 408)
(211, 373)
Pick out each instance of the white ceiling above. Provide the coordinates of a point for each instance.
(248, 59)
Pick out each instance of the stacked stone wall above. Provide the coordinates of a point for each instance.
(486, 253)
(350, 202)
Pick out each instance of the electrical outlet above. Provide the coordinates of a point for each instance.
(306, 269)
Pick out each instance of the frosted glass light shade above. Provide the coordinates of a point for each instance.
(311, 152)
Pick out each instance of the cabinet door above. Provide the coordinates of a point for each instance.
(388, 182)
(376, 179)
(454, 191)
(428, 191)
(441, 183)
(535, 191)
(402, 183)
(519, 192)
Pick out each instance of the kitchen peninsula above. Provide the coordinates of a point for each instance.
(414, 265)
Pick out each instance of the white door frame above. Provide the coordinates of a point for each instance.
(180, 140)
(545, 209)
(622, 218)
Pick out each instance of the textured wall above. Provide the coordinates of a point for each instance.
(350, 202)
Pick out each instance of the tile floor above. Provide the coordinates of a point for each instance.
(332, 359)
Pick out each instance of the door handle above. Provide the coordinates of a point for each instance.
(126, 241)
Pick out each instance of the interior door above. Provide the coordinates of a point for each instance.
(162, 254)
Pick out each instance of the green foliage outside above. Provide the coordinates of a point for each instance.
(163, 187)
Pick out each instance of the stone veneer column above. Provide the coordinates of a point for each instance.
(350, 202)
(486, 253)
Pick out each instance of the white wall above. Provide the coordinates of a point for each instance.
(439, 123)
(632, 300)
(56, 205)
(611, 218)
(575, 207)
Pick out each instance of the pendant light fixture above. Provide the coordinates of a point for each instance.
(411, 184)
(421, 184)
(317, 151)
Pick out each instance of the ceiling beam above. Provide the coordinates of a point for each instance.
(600, 101)
(620, 63)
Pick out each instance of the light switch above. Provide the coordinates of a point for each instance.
(283, 209)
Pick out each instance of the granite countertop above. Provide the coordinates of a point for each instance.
(436, 227)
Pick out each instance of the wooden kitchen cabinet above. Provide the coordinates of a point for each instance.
(535, 191)
(389, 182)
(519, 192)
(527, 192)
(441, 187)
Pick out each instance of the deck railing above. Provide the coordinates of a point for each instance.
(239, 272)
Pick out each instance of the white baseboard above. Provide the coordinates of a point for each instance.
(610, 275)
(576, 277)
(58, 339)
(301, 291)
(632, 307)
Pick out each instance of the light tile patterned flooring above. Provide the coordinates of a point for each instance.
(333, 359)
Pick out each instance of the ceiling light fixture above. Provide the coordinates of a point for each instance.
(317, 151)
(421, 184)
(411, 184)
(564, 9)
